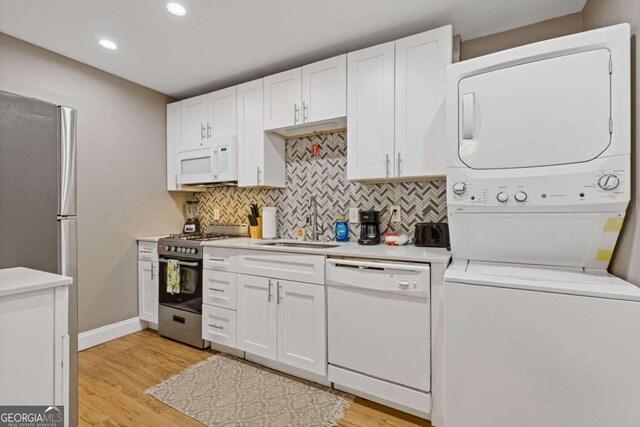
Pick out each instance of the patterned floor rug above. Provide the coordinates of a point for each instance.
(224, 391)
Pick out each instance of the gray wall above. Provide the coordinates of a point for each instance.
(601, 13)
(121, 170)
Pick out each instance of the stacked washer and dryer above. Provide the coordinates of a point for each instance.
(537, 332)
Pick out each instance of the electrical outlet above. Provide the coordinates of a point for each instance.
(354, 215)
(396, 214)
(216, 214)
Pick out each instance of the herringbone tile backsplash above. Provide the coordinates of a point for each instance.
(325, 177)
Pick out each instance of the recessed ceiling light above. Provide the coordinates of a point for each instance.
(176, 9)
(108, 44)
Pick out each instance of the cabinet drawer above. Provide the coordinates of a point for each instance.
(278, 265)
(219, 289)
(220, 259)
(148, 251)
(219, 325)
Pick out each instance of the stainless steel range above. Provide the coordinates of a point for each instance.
(180, 313)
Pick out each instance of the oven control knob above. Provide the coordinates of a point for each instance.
(172, 248)
(193, 251)
(183, 250)
(167, 248)
(520, 196)
(502, 197)
(459, 188)
(608, 182)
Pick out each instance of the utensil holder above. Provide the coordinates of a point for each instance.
(255, 231)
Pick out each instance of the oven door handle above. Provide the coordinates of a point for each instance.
(189, 264)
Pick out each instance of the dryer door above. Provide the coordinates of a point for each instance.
(542, 113)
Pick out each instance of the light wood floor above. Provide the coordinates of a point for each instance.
(113, 377)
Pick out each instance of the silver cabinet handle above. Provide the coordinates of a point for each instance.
(201, 131)
(152, 274)
(296, 110)
(258, 175)
(269, 292)
(209, 130)
(386, 165)
(399, 161)
(217, 326)
(305, 112)
(278, 289)
(217, 290)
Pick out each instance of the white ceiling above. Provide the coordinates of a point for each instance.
(224, 42)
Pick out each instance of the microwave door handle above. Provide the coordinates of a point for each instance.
(188, 264)
(468, 115)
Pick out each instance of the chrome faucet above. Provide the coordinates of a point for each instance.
(312, 219)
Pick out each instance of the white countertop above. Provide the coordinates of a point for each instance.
(149, 238)
(349, 249)
(17, 280)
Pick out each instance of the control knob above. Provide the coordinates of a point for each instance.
(502, 197)
(608, 182)
(459, 188)
(404, 284)
(520, 196)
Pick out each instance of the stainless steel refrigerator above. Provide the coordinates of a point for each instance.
(38, 199)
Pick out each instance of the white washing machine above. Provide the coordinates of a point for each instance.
(536, 331)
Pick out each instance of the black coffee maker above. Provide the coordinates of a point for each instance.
(369, 228)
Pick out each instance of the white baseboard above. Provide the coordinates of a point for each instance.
(109, 332)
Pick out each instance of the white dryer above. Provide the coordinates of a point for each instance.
(536, 331)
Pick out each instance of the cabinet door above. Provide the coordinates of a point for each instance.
(223, 113)
(324, 89)
(174, 134)
(195, 116)
(370, 107)
(282, 99)
(256, 316)
(302, 334)
(148, 291)
(421, 62)
(250, 133)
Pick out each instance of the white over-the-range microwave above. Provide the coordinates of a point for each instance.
(207, 165)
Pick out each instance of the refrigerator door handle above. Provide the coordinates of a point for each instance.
(67, 161)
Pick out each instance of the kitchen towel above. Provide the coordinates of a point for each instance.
(269, 223)
(173, 276)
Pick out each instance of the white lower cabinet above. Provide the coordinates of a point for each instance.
(148, 291)
(283, 320)
(302, 333)
(257, 331)
(219, 325)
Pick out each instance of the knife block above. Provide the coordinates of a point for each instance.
(255, 231)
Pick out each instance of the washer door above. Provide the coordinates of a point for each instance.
(542, 113)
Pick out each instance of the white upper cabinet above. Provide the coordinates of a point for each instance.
(395, 108)
(222, 114)
(260, 155)
(421, 62)
(195, 119)
(282, 103)
(324, 89)
(370, 110)
(174, 135)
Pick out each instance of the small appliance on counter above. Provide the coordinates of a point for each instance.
(191, 225)
(432, 234)
(369, 228)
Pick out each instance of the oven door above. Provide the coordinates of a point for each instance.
(190, 296)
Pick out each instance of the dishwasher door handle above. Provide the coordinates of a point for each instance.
(377, 265)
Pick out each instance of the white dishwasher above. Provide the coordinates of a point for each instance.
(379, 331)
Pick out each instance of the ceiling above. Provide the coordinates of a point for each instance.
(223, 42)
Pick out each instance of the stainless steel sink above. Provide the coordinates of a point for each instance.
(309, 245)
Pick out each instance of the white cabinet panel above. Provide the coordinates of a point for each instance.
(286, 266)
(148, 291)
(223, 113)
(256, 316)
(370, 113)
(324, 89)
(421, 62)
(195, 114)
(219, 289)
(250, 133)
(219, 325)
(174, 136)
(221, 259)
(302, 335)
(282, 104)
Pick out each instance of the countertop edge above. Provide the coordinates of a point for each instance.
(35, 280)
